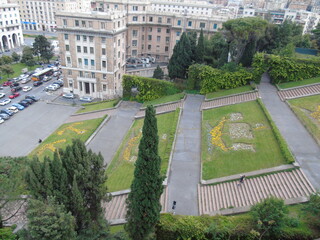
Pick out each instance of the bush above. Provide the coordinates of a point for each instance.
(149, 88)
(7, 234)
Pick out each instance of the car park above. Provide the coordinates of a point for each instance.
(2, 95)
(16, 89)
(1, 120)
(5, 111)
(25, 104)
(5, 102)
(4, 116)
(86, 99)
(13, 109)
(20, 107)
(37, 83)
(68, 95)
(14, 95)
(26, 88)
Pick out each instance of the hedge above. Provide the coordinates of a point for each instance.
(148, 88)
(211, 79)
(282, 143)
(284, 69)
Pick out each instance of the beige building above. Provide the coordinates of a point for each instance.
(10, 26)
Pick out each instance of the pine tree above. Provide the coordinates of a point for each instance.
(193, 44)
(200, 48)
(158, 73)
(143, 202)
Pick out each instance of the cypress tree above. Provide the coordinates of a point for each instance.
(158, 73)
(193, 44)
(143, 202)
(200, 48)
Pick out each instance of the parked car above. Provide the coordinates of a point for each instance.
(25, 104)
(5, 102)
(26, 80)
(14, 95)
(13, 109)
(37, 83)
(86, 99)
(1, 120)
(56, 85)
(14, 84)
(7, 83)
(2, 95)
(33, 97)
(60, 83)
(56, 74)
(16, 89)
(50, 88)
(26, 88)
(28, 100)
(4, 116)
(17, 105)
(5, 111)
(68, 95)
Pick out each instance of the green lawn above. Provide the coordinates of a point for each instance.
(89, 107)
(222, 92)
(299, 83)
(116, 228)
(63, 136)
(165, 99)
(308, 111)
(17, 67)
(250, 128)
(120, 171)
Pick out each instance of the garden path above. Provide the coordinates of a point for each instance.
(111, 134)
(301, 143)
(184, 174)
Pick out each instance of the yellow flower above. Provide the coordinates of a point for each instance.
(316, 114)
(72, 128)
(131, 144)
(50, 146)
(216, 134)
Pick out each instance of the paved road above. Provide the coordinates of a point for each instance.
(20, 134)
(109, 138)
(303, 146)
(185, 167)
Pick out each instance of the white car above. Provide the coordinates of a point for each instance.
(26, 88)
(86, 99)
(2, 95)
(55, 85)
(25, 80)
(51, 88)
(5, 102)
(1, 120)
(68, 95)
(13, 109)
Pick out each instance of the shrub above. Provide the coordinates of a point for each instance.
(149, 88)
(7, 234)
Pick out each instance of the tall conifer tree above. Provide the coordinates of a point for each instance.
(144, 199)
(200, 48)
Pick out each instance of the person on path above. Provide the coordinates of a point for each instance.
(241, 179)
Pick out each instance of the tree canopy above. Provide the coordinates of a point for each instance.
(43, 48)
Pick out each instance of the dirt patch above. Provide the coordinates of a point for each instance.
(242, 146)
(240, 130)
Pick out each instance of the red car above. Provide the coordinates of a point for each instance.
(7, 83)
(14, 95)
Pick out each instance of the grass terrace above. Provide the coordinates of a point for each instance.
(223, 92)
(237, 139)
(308, 111)
(120, 170)
(95, 106)
(165, 99)
(63, 136)
(299, 83)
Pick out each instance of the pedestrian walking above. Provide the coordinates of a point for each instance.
(40, 140)
(241, 179)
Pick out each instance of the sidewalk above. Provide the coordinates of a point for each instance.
(301, 143)
(185, 167)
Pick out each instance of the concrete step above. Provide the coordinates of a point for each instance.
(299, 91)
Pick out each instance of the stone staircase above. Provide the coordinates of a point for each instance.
(299, 91)
(115, 210)
(162, 109)
(228, 100)
(292, 186)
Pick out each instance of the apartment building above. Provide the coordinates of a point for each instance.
(93, 52)
(10, 27)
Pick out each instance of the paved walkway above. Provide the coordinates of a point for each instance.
(185, 167)
(110, 136)
(303, 146)
(302, 91)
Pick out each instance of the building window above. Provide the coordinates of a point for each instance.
(135, 18)
(65, 22)
(69, 72)
(91, 38)
(80, 61)
(83, 23)
(166, 49)
(104, 64)
(134, 33)
(92, 84)
(159, 30)
(91, 50)
(134, 52)
(81, 88)
(159, 19)
(150, 19)
(103, 40)
(103, 25)
(90, 24)
(167, 39)
(78, 37)
(134, 8)
(85, 50)
(86, 62)
(158, 38)
(80, 74)
(68, 60)
(84, 38)
(149, 47)
(66, 37)
(149, 37)
(118, 42)
(67, 48)
(78, 49)
(92, 62)
(142, 37)
(215, 26)
(150, 29)
(189, 23)
(178, 34)
(118, 54)
(202, 25)
(179, 23)
(168, 20)
(76, 23)
(167, 30)
(104, 86)
(134, 43)
(103, 51)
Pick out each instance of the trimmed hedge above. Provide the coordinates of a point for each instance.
(282, 143)
(149, 88)
(284, 69)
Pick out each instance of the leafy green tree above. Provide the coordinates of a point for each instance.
(6, 59)
(27, 55)
(269, 216)
(15, 57)
(216, 50)
(143, 202)
(76, 178)
(7, 70)
(158, 73)
(316, 35)
(200, 48)
(312, 210)
(181, 58)
(240, 32)
(43, 48)
(48, 220)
